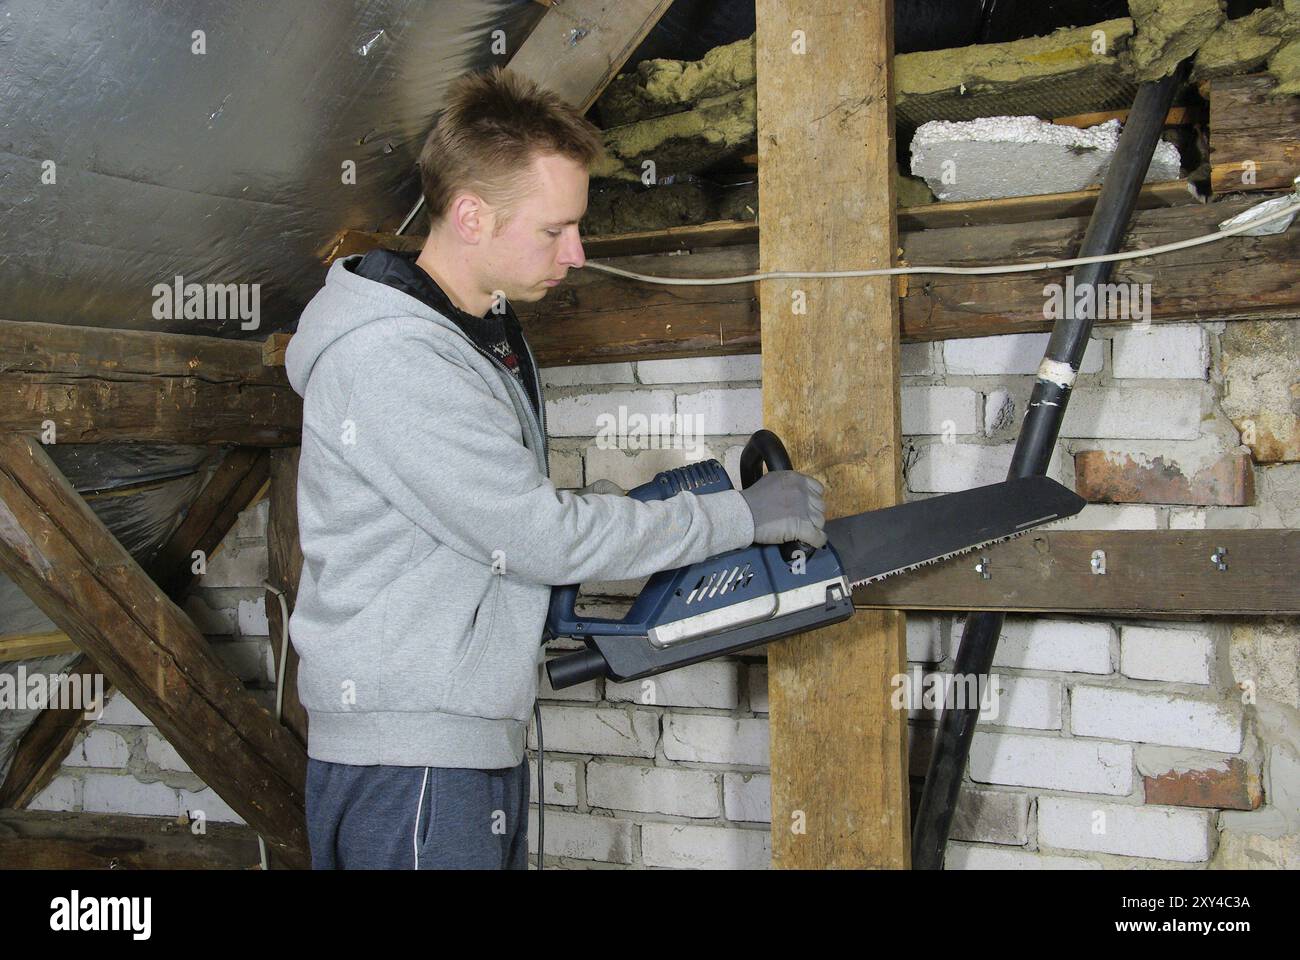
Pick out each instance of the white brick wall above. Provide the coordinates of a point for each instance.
(1032, 702)
(625, 786)
(747, 796)
(1066, 646)
(1138, 413)
(631, 468)
(123, 793)
(583, 836)
(99, 748)
(1179, 655)
(758, 688)
(937, 410)
(1162, 833)
(961, 856)
(597, 730)
(1018, 353)
(949, 467)
(580, 415)
(716, 739)
(701, 369)
(587, 373)
(1083, 766)
(688, 847)
(735, 410)
(1164, 351)
(561, 785)
(713, 683)
(1169, 719)
(566, 469)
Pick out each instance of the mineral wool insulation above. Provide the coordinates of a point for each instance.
(1021, 156)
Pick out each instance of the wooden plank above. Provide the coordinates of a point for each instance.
(233, 485)
(720, 233)
(284, 566)
(1033, 209)
(826, 124)
(29, 646)
(99, 384)
(1148, 572)
(595, 318)
(1254, 135)
(580, 45)
(61, 554)
(47, 741)
(1177, 117)
(41, 840)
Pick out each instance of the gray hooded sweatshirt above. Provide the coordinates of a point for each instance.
(431, 534)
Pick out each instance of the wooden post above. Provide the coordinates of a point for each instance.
(830, 391)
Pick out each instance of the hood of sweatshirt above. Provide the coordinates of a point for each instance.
(346, 303)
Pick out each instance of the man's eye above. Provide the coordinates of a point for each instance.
(552, 233)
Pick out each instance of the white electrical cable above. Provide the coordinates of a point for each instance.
(279, 683)
(1287, 211)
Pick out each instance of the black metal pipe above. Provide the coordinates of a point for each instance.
(1037, 440)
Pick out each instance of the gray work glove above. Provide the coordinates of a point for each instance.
(787, 505)
(603, 486)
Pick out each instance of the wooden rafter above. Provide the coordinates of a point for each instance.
(39, 840)
(61, 554)
(93, 384)
(48, 740)
(580, 45)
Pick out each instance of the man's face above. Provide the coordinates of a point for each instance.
(539, 243)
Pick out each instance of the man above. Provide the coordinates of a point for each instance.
(430, 531)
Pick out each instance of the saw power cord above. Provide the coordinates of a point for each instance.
(1288, 210)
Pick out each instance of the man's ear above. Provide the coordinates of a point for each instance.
(469, 217)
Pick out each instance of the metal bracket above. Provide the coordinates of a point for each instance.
(1098, 562)
(1220, 558)
(982, 568)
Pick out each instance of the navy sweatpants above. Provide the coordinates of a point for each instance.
(422, 818)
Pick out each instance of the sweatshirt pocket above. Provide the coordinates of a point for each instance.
(498, 680)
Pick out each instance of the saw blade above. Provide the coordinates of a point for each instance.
(882, 543)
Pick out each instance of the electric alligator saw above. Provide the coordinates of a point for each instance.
(748, 597)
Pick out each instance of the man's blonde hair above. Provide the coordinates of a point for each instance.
(493, 126)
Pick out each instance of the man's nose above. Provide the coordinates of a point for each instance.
(573, 254)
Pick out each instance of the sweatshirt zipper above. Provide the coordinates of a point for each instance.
(527, 404)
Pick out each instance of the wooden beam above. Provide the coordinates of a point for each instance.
(580, 45)
(29, 646)
(826, 188)
(95, 384)
(226, 494)
(242, 473)
(595, 318)
(1148, 573)
(1254, 135)
(284, 566)
(40, 840)
(724, 233)
(61, 554)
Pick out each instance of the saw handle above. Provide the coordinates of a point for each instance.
(766, 449)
